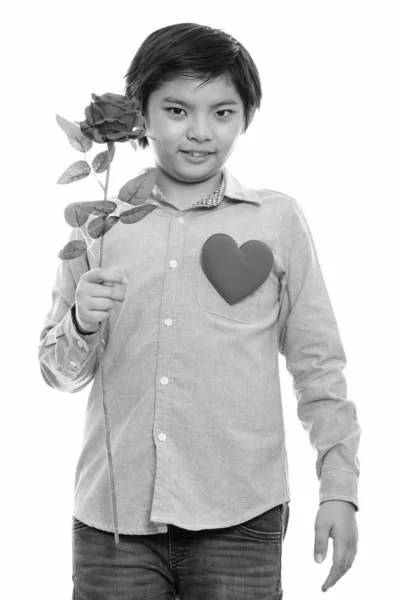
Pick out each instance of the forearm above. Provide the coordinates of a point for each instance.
(68, 360)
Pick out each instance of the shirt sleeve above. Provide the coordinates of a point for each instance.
(68, 360)
(309, 339)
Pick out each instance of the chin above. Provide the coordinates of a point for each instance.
(210, 166)
(197, 175)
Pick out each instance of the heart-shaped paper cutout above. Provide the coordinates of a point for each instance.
(235, 272)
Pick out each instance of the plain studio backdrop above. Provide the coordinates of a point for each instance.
(327, 134)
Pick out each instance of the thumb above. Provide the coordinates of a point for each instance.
(320, 547)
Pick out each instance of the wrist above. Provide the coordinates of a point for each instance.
(78, 328)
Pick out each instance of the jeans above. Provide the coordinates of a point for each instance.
(241, 562)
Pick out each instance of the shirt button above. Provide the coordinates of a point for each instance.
(71, 362)
(173, 263)
(162, 437)
(164, 380)
(180, 219)
(168, 322)
(80, 344)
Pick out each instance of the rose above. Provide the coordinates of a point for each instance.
(111, 118)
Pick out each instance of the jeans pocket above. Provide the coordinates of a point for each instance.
(285, 517)
(78, 525)
(268, 525)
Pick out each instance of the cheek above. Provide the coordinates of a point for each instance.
(167, 130)
(228, 135)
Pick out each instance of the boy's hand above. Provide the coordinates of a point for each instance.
(95, 296)
(336, 519)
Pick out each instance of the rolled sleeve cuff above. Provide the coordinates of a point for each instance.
(339, 485)
(78, 347)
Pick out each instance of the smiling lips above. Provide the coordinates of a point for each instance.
(197, 152)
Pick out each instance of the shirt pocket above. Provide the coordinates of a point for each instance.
(211, 301)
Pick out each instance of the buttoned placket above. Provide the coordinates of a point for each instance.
(175, 244)
(161, 405)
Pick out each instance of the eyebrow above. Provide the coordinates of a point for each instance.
(188, 105)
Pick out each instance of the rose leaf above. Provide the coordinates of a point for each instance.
(72, 250)
(97, 207)
(100, 162)
(74, 215)
(136, 214)
(78, 170)
(97, 227)
(75, 136)
(138, 189)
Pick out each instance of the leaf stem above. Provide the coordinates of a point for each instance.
(98, 180)
(101, 330)
(110, 147)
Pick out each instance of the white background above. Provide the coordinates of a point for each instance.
(327, 134)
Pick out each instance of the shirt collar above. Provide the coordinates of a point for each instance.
(229, 186)
(235, 190)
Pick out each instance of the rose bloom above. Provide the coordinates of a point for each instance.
(111, 118)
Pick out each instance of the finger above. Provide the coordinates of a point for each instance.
(334, 575)
(341, 564)
(100, 275)
(101, 304)
(107, 290)
(113, 285)
(349, 561)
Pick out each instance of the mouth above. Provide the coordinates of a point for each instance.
(197, 154)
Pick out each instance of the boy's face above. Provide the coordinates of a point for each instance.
(191, 121)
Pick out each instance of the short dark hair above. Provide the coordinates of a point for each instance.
(196, 51)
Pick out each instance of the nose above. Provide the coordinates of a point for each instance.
(199, 129)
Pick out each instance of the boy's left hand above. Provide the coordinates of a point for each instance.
(336, 519)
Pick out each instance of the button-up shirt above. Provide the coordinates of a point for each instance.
(191, 381)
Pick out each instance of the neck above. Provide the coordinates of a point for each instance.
(176, 191)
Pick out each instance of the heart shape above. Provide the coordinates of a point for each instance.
(235, 272)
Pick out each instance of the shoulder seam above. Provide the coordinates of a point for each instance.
(280, 227)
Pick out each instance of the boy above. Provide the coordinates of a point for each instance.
(221, 278)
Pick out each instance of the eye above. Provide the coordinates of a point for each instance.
(225, 110)
(174, 108)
